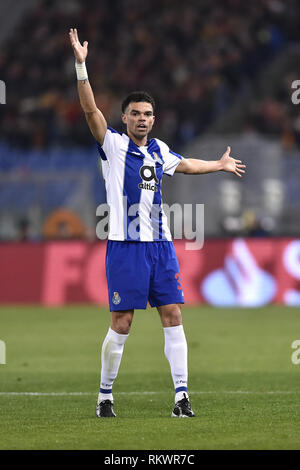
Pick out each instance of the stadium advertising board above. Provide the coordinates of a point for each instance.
(225, 272)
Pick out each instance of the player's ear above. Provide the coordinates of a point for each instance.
(124, 118)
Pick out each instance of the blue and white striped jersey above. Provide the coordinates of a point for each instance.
(133, 177)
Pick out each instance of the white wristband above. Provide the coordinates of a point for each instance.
(81, 71)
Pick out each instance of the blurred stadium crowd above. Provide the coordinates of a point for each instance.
(195, 57)
(199, 59)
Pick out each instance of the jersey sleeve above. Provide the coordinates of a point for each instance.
(108, 148)
(170, 158)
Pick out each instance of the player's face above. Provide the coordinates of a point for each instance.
(139, 119)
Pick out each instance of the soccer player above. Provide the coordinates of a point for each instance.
(141, 263)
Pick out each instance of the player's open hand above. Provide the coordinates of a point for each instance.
(80, 51)
(231, 164)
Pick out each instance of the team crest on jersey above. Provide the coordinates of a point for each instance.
(116, 298)
(157, 158)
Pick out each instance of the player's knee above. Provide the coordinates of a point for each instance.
(171, 316)
(174, 320)
(121, 322)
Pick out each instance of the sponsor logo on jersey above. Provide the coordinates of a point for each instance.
(148, 174)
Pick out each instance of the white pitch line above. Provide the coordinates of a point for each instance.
(208, 392)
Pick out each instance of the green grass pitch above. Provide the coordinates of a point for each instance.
(243, 385)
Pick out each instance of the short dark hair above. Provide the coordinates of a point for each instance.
(138, 97)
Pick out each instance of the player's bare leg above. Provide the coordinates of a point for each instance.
(176, 353)
(111, 355)
(170, 315)
(121, 321)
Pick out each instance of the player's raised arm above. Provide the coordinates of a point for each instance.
(94, 117)
(193, 166)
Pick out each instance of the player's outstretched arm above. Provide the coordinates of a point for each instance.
(94, 117)
(192, 166)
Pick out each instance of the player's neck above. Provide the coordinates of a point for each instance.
(139, 142)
